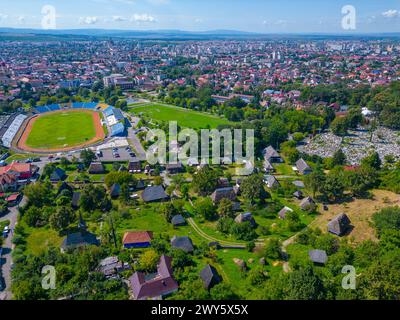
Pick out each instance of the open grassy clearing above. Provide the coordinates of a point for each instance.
(360, 212)
(185, 117)
(61, 129)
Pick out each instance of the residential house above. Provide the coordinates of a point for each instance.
(115, 190)
(154, 194)
(135, 166)
(339, 225)
(267, 166)
(298, 194)
(272, 182)
(308, 204)
(178, 220)
(271, 155)
(154, 286)
(78, 239)
(23, 171)
(223, 193)
(209, 276)
(57, 175)
(111, 266)
(246, 217)
(96, 168)
(174, 168)
(184, 243)
(283, 212)
(137, 239)
(302, 167)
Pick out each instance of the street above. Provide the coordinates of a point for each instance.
(6, 259)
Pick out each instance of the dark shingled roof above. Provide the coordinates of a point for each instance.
(302, 166)
(178, 220)
(57, 175)
(79, 239)
(318, 256)
(160, 284)
(184, 243)
(272, 182)
(76, 196)
(115, 190)
(154, 193)
(210, 276)
(270, 153)
(308, 204)
(96, 167)
(222, 193)
(339, 224)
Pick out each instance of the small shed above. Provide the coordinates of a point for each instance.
(178, 220)
(184, 243)
(283, 212)
(308, 204)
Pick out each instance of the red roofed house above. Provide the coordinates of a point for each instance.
(13, 199)
(137, 239)
(22, 171)
(154, 286)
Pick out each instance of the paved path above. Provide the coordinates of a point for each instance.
(6, 259)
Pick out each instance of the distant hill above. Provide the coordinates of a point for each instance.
(67, 34)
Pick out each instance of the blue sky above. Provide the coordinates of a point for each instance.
(264, 16)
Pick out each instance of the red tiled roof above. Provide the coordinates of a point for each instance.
(17, 167)
(137, 237)
(12, 197)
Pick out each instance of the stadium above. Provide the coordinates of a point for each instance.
(63, 127)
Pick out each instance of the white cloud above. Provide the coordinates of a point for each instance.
(21, 19)
(391, 13)
(88, 20)
(3, 16)
(143, 18)
(198, 20)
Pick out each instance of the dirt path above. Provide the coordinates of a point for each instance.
(21, 144)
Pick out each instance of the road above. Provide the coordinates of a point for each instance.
(134, 140)
(6, 259)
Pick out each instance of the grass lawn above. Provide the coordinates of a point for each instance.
(185, 117)
(40, 239)
(22, 156)
(61, 129)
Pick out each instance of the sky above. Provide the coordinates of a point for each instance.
(262, 16)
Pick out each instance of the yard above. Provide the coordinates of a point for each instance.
(185, 117)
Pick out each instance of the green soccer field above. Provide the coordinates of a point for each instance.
(61, 129)
(185, 118)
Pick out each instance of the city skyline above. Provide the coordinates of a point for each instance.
(258, 16)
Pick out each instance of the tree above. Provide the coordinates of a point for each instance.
(148, 261)
(252, 188)
(272, 249)
(339, 158)
(205, 208)
(87, 156)
(339, 126)
(373, 161)
(387, 219)
(243, 231)
(223, 291)
(120, 177)
(205, 181)
(304, 284)
(61, 218)
(168, 210)
(314, 181)
(93, 198)
(225, 208)
(39, 194)
(333, 186)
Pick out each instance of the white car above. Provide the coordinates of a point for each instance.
(6, 229)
